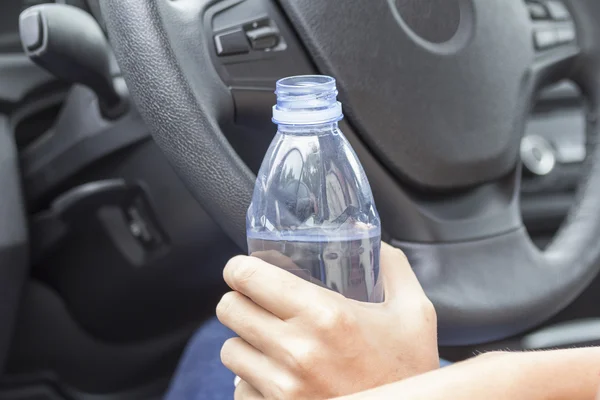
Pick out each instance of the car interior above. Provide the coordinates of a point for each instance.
(131, 132)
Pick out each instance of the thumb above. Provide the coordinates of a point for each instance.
(399, 280)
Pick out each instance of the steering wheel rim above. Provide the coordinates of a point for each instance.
(476, 263)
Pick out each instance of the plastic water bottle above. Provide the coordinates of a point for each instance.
(312, 211)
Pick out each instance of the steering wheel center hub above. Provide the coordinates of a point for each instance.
(435, 21)
(436, 95)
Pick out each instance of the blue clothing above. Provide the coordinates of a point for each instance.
(200, 375)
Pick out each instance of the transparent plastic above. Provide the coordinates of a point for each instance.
(312, 211)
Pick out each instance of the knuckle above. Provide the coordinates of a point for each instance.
(428, 309)
(335, 319)
(285, 387)
(421, 307)
(302, 356)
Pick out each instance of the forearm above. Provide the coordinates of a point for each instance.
(551, 375)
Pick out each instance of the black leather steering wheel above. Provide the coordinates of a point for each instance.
(436, 94)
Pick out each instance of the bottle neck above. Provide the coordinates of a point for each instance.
(305, 99)
(308, 129)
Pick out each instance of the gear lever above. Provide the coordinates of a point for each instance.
(69, 43)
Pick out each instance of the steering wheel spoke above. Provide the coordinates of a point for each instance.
(484, 211)
(557, 50)
(555, 64)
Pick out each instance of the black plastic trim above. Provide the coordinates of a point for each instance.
(81, 136)
(19, 76)
(14, 251)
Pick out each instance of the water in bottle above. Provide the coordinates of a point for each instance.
(312, 212)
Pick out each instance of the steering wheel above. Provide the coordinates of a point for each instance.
(436, 95)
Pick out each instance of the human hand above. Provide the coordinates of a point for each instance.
(299, 341)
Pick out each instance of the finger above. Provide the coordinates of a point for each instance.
(244, 391)
(248, 363)
(399, 280)
(251, 322)
(283, 294)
